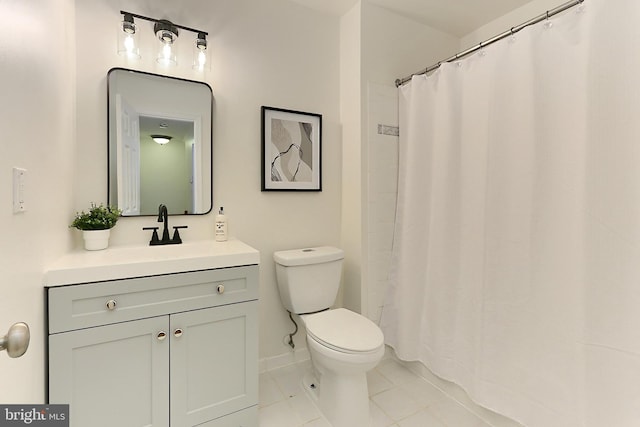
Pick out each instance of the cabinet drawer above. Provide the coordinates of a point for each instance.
(86, 305)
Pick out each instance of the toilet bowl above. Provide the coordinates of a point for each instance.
(343, 346)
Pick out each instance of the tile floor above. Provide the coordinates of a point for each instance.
(398, 397)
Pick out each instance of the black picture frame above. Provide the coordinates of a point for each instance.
(291, 150)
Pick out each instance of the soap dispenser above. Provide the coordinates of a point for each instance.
(221, 226)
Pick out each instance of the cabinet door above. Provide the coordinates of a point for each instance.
(112, 375)
(214, 362)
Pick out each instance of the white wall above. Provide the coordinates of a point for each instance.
(382, 192)
(273, 53)
(350, 116)
(36, 117)
(392, 47)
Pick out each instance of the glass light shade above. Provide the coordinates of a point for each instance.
(128, 40)
(166, 34)
(201, 54)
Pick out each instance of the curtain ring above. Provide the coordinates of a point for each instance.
(481, 51)
(548, 24)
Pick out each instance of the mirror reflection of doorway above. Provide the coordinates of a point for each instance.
(128, 157)
(166, 169)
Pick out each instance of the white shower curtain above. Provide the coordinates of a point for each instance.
(516, 260)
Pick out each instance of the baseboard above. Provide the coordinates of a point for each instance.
(285, 359)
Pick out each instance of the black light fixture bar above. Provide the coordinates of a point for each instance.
(146, 18)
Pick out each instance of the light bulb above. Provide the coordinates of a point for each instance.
(202, 59)
(166, 52)
(129, 44)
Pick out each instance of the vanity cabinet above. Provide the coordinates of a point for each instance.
(171, 350)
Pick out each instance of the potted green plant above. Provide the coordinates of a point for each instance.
(96, 225)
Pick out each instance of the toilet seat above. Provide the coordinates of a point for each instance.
(344, 331)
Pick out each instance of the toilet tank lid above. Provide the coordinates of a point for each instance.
(307, 256)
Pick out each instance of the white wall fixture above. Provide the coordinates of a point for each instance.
(167, 33)
(19, 184)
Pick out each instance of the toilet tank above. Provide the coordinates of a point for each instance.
(308, 279)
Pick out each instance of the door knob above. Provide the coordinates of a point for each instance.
(220, 288)
(16, 341)
(161, 335)
(177, 333)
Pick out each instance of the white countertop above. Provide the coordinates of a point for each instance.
(138, 261)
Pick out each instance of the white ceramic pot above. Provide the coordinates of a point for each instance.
(96, 240)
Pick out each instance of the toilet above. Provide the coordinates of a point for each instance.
(343, 345)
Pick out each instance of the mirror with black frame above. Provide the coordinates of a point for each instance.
(160, 143)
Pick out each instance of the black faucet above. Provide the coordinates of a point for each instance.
(163, 216)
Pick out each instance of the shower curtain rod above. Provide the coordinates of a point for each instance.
(548, 14)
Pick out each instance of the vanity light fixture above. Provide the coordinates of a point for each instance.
(167, 35)
(161, 139)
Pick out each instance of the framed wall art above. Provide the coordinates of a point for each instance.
(291, 150)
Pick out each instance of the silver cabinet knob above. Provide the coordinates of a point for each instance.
(220, 288)
(17, 340)
(161, 335)
(111, 304)
(177, 333)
